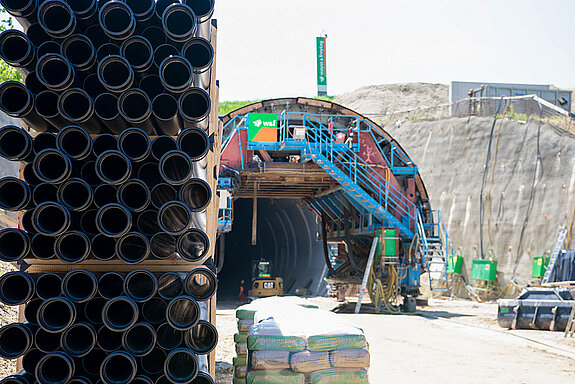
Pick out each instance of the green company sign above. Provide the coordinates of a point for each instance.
(321, 66)
(262, 127)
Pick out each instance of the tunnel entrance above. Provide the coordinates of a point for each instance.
(287, 235)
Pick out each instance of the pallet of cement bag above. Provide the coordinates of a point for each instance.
(269, 360)
(275, 377)
(338, 376)
(309, 361)
(349, 358)
(248, 311)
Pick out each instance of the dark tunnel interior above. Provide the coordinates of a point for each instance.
(287, 232)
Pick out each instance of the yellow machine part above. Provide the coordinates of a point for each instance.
(267, 287)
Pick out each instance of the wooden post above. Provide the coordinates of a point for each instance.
(255, 215)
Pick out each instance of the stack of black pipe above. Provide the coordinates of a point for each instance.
(118, 92)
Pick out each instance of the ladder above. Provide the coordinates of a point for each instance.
(368, 269)
(570, 328)
(561, 235)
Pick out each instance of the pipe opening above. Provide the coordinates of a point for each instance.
(55, 368)
(14, 47)
(14, 99)
(13, 193)
(200, 284)
(15, 143)
(72, 247)
(161, 6)
(135, 106)
(120, 314)
(163, 193)
(79, 51)
(140, 285)
(181, 366)
(196, 194)
(106, 106)
(15, 288)
(113, 167)
(105, 194)
(202, 338)
(48, 285)
(138, 52)
(111, 285)
(51, 166)
(118, 368)
(134, 195)
(139, 339)
(162, 144)
(183, 312)
(150, 174)
(17, 6)
(168, 337)
(88, 222)
(91, 363)
(199, 53)
(163, 52)
(48, 47)
(79, 339)
(170, 285)
(76, 194)
(51, 219)
(103, 143)
(45, 192)
(43, 247)
(33, 84)
(88, 173)
(163, 246)
(108, 341)
(56, 315)
(195, 104)
(174, 217)
(54, 70)
(201, 7)
(147, 223)
(139, 6)
(47, 341)
(36, 33)
(175, 167)
(116, 73)
(14, 244)
(107, 50)
(193, 245)
(93, 310)
(93, 86)
(133, 248)
(81, 6)
(153, 362)
(97, 34)
(47, 104)
(29, 175)
(151, 85)
(76, 105)
(14, 341)
(79, 285)
(56, 17)
(154, 310)
(31, 311)
(180, 22)
(114, 220)
(117, 20)
(165, 108)
(30, 360)
(155, 36)
(134, 142)
(176, 73)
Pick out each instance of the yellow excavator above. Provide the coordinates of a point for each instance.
(264, 283)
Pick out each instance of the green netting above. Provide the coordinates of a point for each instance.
(277, 343)
(241, 338)
(337, 376)
(259, 377)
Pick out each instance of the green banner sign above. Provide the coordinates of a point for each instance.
(263, 127)
(321, 66)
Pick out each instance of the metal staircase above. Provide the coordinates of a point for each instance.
(561, 235)
(435, 247)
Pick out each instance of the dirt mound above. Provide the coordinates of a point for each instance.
(381, 99)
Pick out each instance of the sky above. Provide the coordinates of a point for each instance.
(266, 48)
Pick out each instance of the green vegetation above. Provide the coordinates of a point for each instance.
(6, 71)
(230, 106)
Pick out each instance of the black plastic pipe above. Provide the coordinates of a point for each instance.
(15, 144)
(134, 195)
(165, 112)
(29, 176)
(57, 18)
(45, 192)
(120, 313)
(170, 285)
(136, 108)
(133, 248)
(140, 285)
(143, 9)
(203, 378)
(147, 223)
(80, 285)
(18, 102)
(150, 174)
(164, 51)
(93, 310)
(140, 379)
(160, 146)
(27, 223)
(56, 314)
(176, 167)
(14, 244)
(104, 142)
(48, 285)
(106, 108)
(179, 22)
(33, 84)
(200, 53)
(181, 366)
(161, 6)
(113, 220)
(105, 194)
(16, 288)
(115, 73)
(31, 359)
(117, 20)
(36, 33)
(204, 9)
(139, 53)
(75, 194)
(202, 338)
(175, 218)
(42, 246)
(155, 36)
(97, 35)
(78, 108)
(47, 341)
(51, 219)
(183, 313)
(197, 194)
(135, 144)
(42, 141)
(46, 106)
(74, 142)
(88, 173)
(176, 74)
(52, 166)
(55, 72)
(55, 367)
(107, 50)
(103, 247)
(15, 340)
(20, 378)
(201, 284)
(110, 285)
(193, 245)
(31, 311)
(79, 340)
(80, 52)
(139, 340)
(93, 86)
(17, 50)
(154, 311)
(194, 107)
(163, 246)
(151, 85)
(194, 142)
(169, 338)
(108, 341)
(46, 47)
(153, 362)
(23, 11)
(72, 247)
(88, 222)
(92, 361)
(15, 194)
(85, 11)
(113, 167)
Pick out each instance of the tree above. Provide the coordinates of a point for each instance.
(6, 71)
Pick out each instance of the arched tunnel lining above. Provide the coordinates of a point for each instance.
(286, 235)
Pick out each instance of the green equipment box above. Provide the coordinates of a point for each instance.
(540, 264)
(484, 270)
(388, 242)
(454, 264)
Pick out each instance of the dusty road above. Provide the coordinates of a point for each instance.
(447, 342)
